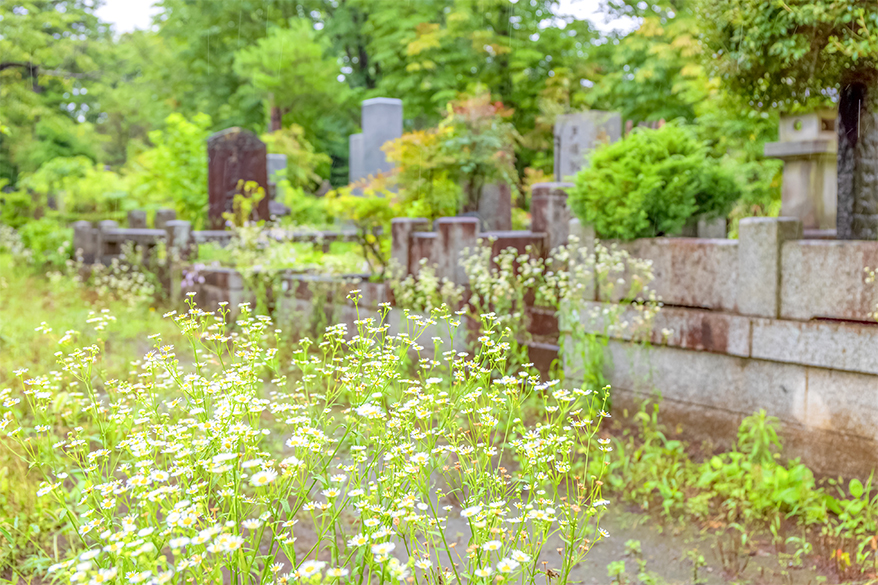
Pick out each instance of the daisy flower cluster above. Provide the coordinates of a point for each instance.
(361, 458)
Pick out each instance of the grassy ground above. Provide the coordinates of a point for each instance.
(27, 525)
(28, 300)
(644, 548)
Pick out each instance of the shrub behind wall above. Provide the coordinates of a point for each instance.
(650, 184)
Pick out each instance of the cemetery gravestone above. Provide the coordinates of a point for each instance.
(381, 123)
(355, 152)
(576, 135)
(234, 155)
(277, 165)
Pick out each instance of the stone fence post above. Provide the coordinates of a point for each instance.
(137, 219)
(162, 217)
(86, 240)
(103, 227)
(454, 234)
(760, 243)
(549, 212)
(401, 229)
(179, 235)
(495, 207)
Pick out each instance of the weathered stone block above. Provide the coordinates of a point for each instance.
(759, 260)
(840, 346)
(827, 279)
(712, 380)
(549, 212)
(137, 219)
(223, 278)
(454, 235)
(163, 216)
(520, 240)
(401, 230)
(86, 240)
(712, 228)
(690, 272)
(179, 234)
(495, 207)
(424, 246)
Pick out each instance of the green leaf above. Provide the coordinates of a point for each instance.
(856, 488)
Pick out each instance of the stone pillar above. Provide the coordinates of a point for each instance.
(275, 163)
(584, 253)
(103, 227)
(234, 155)
(381, 123)
(137, 219)
(808, 147)
(549, 212)
(495, 207)
(401, 229)
(576, 135)
(715, 229)
(356, 164)
(760, 244)
(163, 216)
(85, 241)
(454, 234)
(179, 236)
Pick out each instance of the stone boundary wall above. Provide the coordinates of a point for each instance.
(103, 242)
(769, 321)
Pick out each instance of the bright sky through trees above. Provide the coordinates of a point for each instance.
(128, 15)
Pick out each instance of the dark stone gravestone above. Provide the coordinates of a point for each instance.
(234, 155)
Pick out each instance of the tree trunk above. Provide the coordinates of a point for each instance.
(277, 117)
(857, 128)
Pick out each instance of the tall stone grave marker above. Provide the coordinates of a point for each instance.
(381, 123)
(576, 135)
(234, 155)
(356, 170)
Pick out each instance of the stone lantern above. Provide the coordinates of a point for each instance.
(808, 146)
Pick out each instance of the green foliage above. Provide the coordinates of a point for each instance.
(175, 169)
(370, 214)
(81, 189)
(305, 209)
(287, 68)
(786, 54)
(303, 160)
(651, 183)
(49, 243)
(48, 50)
(423, 174)
(16, 208)
(442, 170)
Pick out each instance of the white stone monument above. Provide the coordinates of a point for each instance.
(576, 135)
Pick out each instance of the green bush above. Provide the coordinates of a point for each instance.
(48, 242)
(651, 183)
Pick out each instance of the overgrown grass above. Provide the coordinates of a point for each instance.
(29, 299)
(749, 493)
